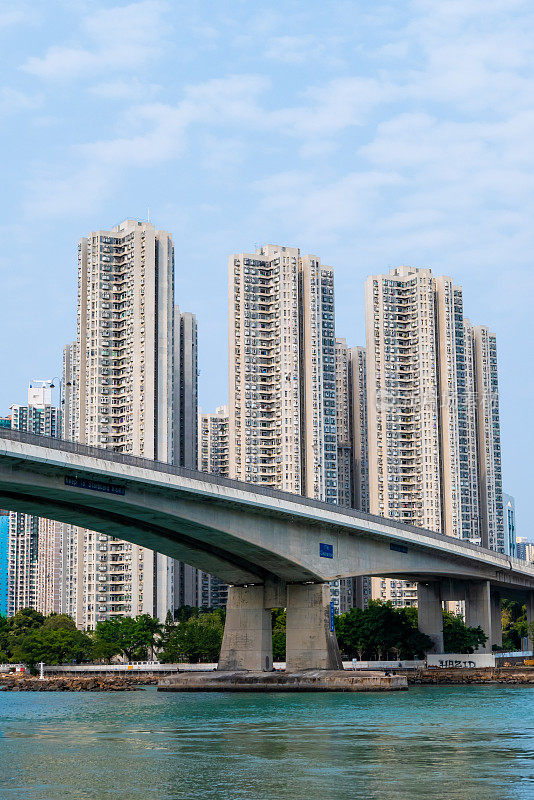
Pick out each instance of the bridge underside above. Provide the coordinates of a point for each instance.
(273, 553)
(238, 542)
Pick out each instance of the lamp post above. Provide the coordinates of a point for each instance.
(52, 385)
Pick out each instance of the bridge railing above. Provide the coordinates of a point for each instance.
(64, 445)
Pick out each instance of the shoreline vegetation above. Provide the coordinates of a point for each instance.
(378, 632)
(518, 676)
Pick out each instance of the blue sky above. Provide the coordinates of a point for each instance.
(369, 134)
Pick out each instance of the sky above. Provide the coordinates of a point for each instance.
(370, 134)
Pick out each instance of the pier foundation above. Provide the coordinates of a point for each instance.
(430, 612)
(478, 610)
(247, 641)
(310, 639)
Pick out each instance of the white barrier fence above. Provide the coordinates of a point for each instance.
(461, 660)
(516, 654)
(135, 667)
(438, 660)
(355, 664)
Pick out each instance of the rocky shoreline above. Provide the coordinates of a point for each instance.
(523, 676)
(77, 684)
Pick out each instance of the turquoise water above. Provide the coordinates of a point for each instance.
(457, 743)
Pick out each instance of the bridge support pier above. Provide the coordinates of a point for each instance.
(478, 610)
(530, 618)
(496, 620)
(310, 641)
(247, 641)
(430, 612)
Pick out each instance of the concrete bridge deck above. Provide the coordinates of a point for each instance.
(269, 545)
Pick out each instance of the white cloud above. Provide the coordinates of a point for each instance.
(120, 38)
(154, 133)
(322, 210)
(15, 13)
(13, 102)
(132, 89)
(329, 109)
(291, 49)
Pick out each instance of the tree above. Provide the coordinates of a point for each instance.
(278, 617)
(26, 618)
(148, 634)
(514, 624)
(197, 639)
(458, 637)
(29, 637)
(381, 630)
(132, 637)
(168, 627)
(58, 622)
(53, 646)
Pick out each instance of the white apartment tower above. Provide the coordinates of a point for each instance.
(213, 441)
(489, 439)
(433, 427)
(133, 379)
(344, 443)
(50, 553)
(33, 567)
(213, 457)
(282, 424)
(402, 391)
(357, 377)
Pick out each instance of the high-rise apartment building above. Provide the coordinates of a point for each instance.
(39, 416)
(432, 406)
(282, 425)
(510, 534)
(357, 382)
(132, 375)
(358, 427)
(525, 550)
(343, 408)
(4, 563)
(282, 369)
(213, 441)
(489, 439)
(213, 457)
(50, 575)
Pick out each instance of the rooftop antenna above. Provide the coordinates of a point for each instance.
(148, 215)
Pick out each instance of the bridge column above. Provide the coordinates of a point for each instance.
(247, 641)
(478, 610)
(530, 619)
(430, 612)
(310, 641)
(496, 619)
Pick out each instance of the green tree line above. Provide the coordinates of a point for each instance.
(195, 635)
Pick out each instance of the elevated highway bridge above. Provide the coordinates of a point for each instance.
(274, 549)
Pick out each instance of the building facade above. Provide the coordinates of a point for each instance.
(213, 457)
(524, 549)
(213, 441)
(343, 408)
(432, 406)
(4, 563)
(489, 439)
(282, 424)
(25, 547)
(510, 534)
(133, 376)
(282, 371)
(50, 573)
